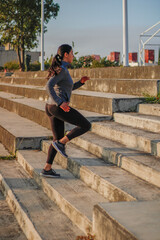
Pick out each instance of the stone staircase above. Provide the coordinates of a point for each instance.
(110, 184)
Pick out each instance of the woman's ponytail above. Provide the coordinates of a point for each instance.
(55, 67)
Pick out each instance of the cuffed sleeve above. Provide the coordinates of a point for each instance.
(77, 85)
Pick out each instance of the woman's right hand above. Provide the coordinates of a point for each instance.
(64, 106)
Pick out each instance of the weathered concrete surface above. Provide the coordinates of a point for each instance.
(113, 183)
(9, 228)
(129, 220)
(35, 92)
(38, 81)
(150, 109)
(137, 120)
(34, 110)
(124, 86)
(142, 165)
(73, 197)
(31, 74)
(20, 133)
(37, 215)
(129, 136)
(104, 103)
(3, 151)
(147, 72)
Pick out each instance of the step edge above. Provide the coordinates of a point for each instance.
(23, 220)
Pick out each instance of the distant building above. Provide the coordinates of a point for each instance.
(149, 56)
(114, 57)
(96, 57)
(132, 57)
(7, 54)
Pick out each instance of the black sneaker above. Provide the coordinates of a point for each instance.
(51, 173)
(60, 147)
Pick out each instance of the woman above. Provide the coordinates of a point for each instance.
(59, 87)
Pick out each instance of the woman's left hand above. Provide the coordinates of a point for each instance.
(84, 79)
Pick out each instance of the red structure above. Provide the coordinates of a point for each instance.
(114, 57)
(132, 57)
(149, 55)
(96, 57)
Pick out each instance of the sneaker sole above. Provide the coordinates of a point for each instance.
(55, 146)
(49, 176)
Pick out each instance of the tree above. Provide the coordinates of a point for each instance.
(20, 23)
(159, 57)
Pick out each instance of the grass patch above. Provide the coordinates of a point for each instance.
(9, 157)
(88, 237)
(152, 99)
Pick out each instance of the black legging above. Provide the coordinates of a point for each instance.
(58, 117)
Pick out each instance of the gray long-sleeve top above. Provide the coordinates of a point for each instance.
(60, 86)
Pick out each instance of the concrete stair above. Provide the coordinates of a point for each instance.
(37, 215)
(139, 163)
(9, 228)
(129, 136)
(112, 174)
(103, 103)
(152, 109)
(136, 87)
(34, 109)
(20, 133)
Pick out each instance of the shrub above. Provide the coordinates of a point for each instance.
(152, 99)
(1, 68)
(12, 65)
(35, 66)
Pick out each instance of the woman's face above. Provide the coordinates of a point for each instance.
(68, 57)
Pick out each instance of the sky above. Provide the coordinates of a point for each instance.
(96, 27)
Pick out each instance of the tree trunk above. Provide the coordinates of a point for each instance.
(22, 54)
(19, 57)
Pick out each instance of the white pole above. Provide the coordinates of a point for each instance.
(42, 35)
(125, 33)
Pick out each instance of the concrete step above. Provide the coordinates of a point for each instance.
(38, 81)
(129, 136)
(143, 72)
(104, 103)
(124, 86)
(35, 110)
(4, 154)
(38, 216)
(142, 165)
(112, 182)
(150, 109)
(9, 228)
(127, 220)
(31, 74)
(19, 133)
(72, 196)
(147, 122)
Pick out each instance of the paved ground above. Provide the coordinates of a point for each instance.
(9, 228)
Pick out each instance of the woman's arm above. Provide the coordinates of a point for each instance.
(80, 83)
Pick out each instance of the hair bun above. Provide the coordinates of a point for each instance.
(58, 58)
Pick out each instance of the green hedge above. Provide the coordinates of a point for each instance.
(12, 65)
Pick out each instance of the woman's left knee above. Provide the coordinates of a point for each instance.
(88, 126)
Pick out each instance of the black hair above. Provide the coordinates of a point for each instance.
(55, 67)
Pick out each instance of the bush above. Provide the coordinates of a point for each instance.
(12, 65)
(35, 66)
(1, 68)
